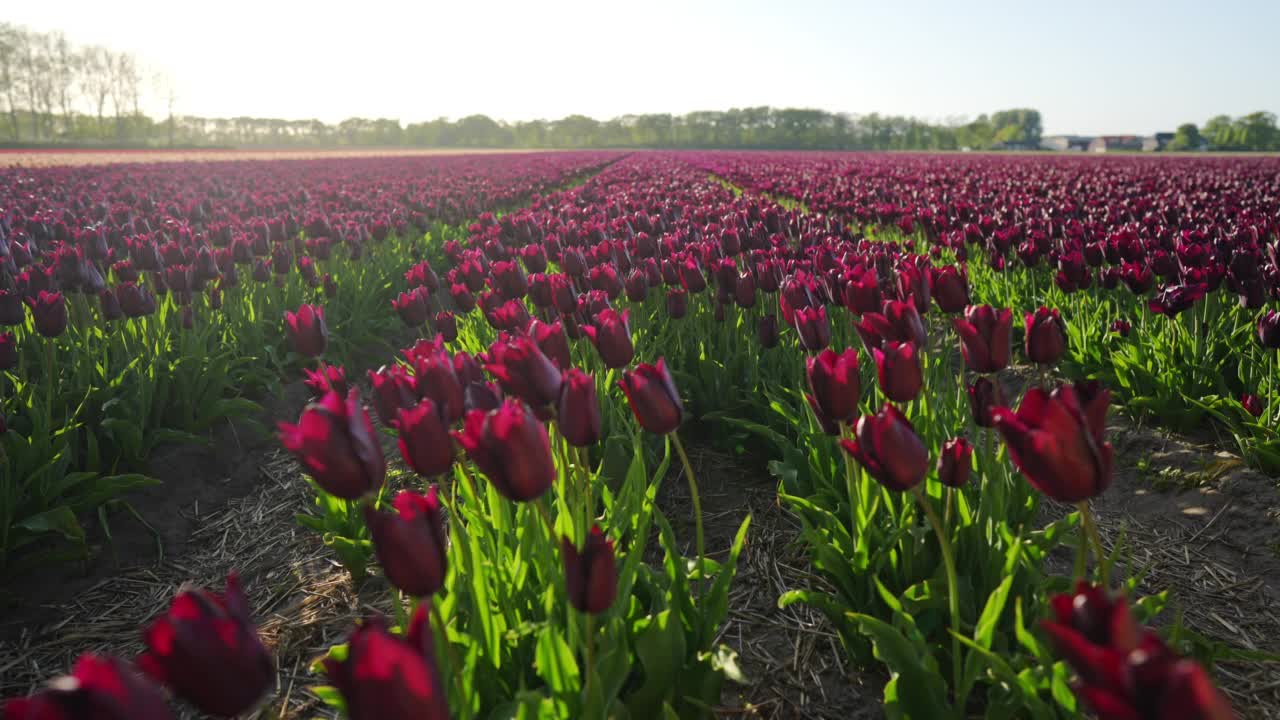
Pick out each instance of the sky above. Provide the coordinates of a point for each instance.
(1123, 66)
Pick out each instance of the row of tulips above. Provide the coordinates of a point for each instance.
(1167, 267)
(906, 600)
(133, 303)
(516, 548)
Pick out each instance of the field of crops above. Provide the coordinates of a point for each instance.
(649, 435)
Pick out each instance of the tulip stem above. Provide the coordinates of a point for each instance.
(546, 518)
(697, 508)
(953, 588)
(1091, 530)
(589, 649)
(455, 667)
(851, 487)
(48, 379)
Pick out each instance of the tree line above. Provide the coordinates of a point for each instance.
(58, 93)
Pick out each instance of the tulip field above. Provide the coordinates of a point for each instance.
(513, 363)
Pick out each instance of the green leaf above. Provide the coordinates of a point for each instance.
(927, 695)
(986, 628)
(555, 662)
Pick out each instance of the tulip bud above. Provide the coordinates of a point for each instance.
(812, 327)
(424, 439)
(306, 330)
(327, 378)
(984, 396)
(1046, 336)
(950, 286)
(8, 351)
(336, 445)
(392, 390)
(899, 370)
(1057, 441)
(1252, 404)
(578, 411)
(511, 447)
(435, 377)
(1269, 330)
(767, 331)
(887, 446)
(98, 688)
(206, 649)
(525, 371)
(955, 462)
(835, 383)
(984, 337)
(49, 311)
(653, 397)
(551, 340)
(411, 543)
(386, 676)
(611, 335)
(591, 576)
(677, 303)
(411, 307)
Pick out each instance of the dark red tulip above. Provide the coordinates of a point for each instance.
(984, 397)
(481, 396)
(206, 649)
(591, 575)
(905, 323)
(637, 286)
(984, 337)
(330, 286)
(677, 302)
(511, 447)
(899, 370)
(955, 462)
(653, 397)
(336, 445)
(424, 441)
(411, 307)
(49, 311)
(392, 390)
(812, 328)
(328, 377)
(950, 286)
(1057, 441)
(435, 377)
(862, 293)
(835, 383)
(11, 310)
(1125, 671)
(1046, 336)
(525, 371)
(691, 276)
(135, 300)
(551, 340)
(1177, 299)
(744, 291)
(913, 286)
(1121, 328)
(1252, 404)
(411, 543)
(510, 280)
(100, 687)
(611, 334)
(306, 330)
(446, 325)
(888, 447)
(8, 351)
(578, 411)
(563, 296)
(387, 676)
(767, 331)
(462, 297)
(1269, 330)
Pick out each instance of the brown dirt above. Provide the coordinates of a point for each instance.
(53, 157)
(194, 481)
(791, 657)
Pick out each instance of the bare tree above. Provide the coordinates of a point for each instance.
(10, 35)
(96, 80)
(65, 65)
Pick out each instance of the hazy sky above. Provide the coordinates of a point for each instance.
(1090, 67)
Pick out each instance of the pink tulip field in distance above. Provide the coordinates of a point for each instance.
(651, 434)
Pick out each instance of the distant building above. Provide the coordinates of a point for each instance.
(1013, 146)
(1157, 142)
(1066, 143)
(1116, 143)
